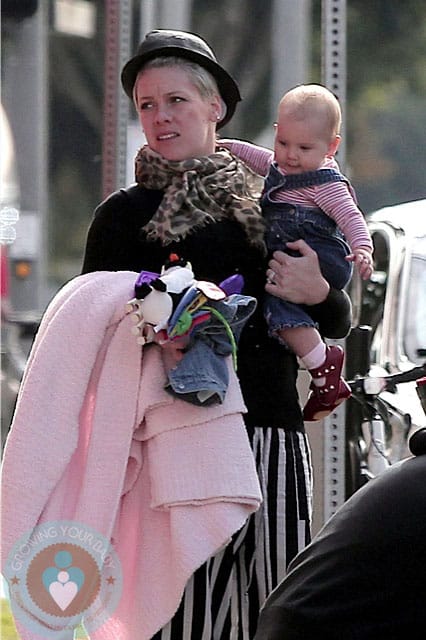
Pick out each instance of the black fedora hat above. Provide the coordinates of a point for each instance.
(163, 42)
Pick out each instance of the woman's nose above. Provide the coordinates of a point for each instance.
(162, 114)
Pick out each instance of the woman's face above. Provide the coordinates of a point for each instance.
(178, 122)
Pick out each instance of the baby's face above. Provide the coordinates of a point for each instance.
(301, 144)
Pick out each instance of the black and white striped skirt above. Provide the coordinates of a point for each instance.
(223, 598)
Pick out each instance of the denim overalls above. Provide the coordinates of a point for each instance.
(287, 222)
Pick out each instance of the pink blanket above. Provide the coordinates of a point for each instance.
(95, 439)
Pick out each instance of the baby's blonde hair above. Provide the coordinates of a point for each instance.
(313, 101)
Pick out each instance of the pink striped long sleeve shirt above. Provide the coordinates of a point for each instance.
(336, 199)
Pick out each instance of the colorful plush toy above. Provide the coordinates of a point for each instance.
(173, 302)
(173, 305)
(154, 297)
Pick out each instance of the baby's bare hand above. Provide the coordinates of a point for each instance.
(363, 261)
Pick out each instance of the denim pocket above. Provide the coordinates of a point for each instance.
(280, 231)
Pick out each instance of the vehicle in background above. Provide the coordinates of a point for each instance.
(390, 336)
(17, 329)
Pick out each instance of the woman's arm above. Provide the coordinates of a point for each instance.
(299, 280)
(334, 314)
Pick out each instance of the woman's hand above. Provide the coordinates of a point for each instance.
(299, 279)
(173, 350)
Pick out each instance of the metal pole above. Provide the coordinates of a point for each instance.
(163, 14)
(291, 25)
(116, 103)
(148, 17)
(176, 14)
(333, 30)
(334, 59)
(290, 45)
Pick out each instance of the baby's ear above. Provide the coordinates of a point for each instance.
(333, 146)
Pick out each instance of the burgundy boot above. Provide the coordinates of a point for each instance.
(323, 400)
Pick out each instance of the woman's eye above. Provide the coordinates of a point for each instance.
(145, 105)
(177, 99)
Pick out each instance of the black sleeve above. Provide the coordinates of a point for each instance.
(334, 315)
(114, 237)
(102, 252)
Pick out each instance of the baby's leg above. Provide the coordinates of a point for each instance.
(324, 363)
(306, 343)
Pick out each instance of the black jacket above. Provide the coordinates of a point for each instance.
(363, 577)
(266, 370)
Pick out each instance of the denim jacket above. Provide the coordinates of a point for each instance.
(202, 377)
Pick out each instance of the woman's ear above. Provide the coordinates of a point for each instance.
(218, 109)
(333, 146)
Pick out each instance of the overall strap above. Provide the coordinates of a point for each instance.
(312, 179)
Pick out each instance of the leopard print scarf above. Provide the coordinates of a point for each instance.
(199, 191)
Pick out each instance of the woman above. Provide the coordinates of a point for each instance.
(193, 199)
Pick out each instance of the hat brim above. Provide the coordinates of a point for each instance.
(228, 88)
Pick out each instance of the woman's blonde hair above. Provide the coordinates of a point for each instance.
(201, 78)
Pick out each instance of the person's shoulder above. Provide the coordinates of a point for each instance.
(128, 201)
(387, 505)
(119, 198)
(405, 480)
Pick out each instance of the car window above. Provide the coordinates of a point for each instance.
(415, 312)
(374, 290)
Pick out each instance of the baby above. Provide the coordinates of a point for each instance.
(306, 197)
